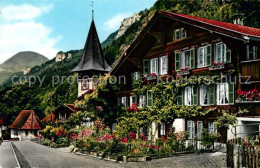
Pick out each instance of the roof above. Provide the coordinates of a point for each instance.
(243, 30)
(48, 118)
(92, 57)
(224, 28)
(71, 107)
(27, 119)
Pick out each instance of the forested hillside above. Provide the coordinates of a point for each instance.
(44, 98)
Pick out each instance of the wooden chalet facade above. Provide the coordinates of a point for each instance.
(178, 45)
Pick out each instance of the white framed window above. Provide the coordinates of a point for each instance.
(204, 95)
(191, 129)
(202, 56)
(185, 59)
(122, 101)
(220, 54)
(154, 65)
(211, 127)
(222, 94)
(149, 98)
(180, 34)
(188, 96)
(142, 100)
(251, 52)
(135, 76)
(133, 99)
(163, 65)
(162, 129)
(199, 129)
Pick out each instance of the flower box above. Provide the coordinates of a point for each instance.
(183, 73)
(150, 76)
(216, 66)
(245, 101)
(252, 96)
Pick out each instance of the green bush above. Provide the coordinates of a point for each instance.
(208, 138)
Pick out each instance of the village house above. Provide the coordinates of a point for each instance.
(179, 45)
(26, 125)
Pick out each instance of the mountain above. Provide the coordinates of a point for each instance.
(19, 62)
(109, 39)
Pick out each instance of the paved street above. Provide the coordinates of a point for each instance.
(35, 155)
(7, 158)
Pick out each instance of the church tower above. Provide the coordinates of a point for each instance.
(92, 63)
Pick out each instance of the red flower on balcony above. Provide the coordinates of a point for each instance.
(187, 68)
(245, 143)
(152, 74)
(182, 69)
(213, 63)
(220, 63)
(124, 140)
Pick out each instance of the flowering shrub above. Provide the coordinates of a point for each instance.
(143, 137)
(107, 137)
(124, 140)
(252, 95)
(85, 133)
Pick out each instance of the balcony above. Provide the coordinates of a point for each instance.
(251, 68)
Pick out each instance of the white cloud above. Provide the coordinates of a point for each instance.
(115, 21)
(23, 12)
(23, 33)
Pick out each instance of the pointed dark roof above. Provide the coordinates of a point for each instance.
(92, 58)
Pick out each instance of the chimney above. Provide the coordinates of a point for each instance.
(238, 18)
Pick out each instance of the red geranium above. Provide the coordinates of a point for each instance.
(114, 137)
(213, 63)
(106, 137)
(187, 68)
(124, 140)
(245, 143)
(143, 137)
(133, 108)
(132, 135)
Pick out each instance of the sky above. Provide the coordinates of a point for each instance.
(50, 26)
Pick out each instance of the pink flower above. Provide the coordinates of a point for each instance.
(124, 140)
(106, 137)
(132, 135)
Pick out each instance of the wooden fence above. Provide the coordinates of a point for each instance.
(240, 154)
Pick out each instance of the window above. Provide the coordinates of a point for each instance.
(154, 66)
(204, 56)
(133, 99)
(185, 59)
(180, 33)
(222, 53)
(84, 85)
(142, 100)
(199, 129)
(204, 95)
(222, 94)
(135, 76)
(146, 66)
(211, 127)
(191, 129)
(180, 98)
(188, 96)
(163, 65)
(149, 98)
(122, 101)
(162, 129)
(251, 52)
(225, 94)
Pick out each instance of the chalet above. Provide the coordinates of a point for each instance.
(26, 125)
(179, 45)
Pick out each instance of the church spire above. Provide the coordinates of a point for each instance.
(92, 4)
(92, 57)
